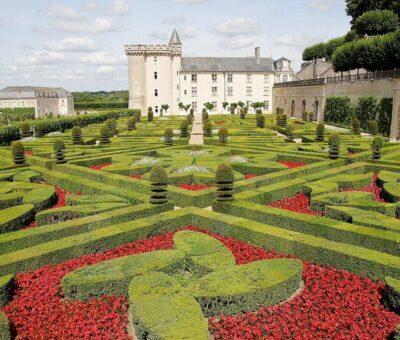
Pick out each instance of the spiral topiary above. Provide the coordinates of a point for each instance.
(281, 121)
(377, 148)
(320, 132)
(205, 115)
(184, 129)
(304, 116)
(310, 116)
(59, 151)
(260, 120)
(224, 179)
(356, 126)
(373, 127)
(138, 116)
(334, 146)
(289, 134)
(77, 135)
(223, 135)
(131, 124)
(159, 184)
(112, 126)
(150, 114)
(25, 130)
(242, 113)
(207, 129)
(168, 136)
(104, 135)
(40, 129)
(18, 153)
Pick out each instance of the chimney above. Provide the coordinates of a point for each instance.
(257, 56)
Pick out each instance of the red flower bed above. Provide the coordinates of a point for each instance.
(332, 304)
(221, 122)
(28, 153)
(98, 167)
(299, 203)
(372, 188)
(292, 165)
(136, 176)
(249, 176)
(195, 187)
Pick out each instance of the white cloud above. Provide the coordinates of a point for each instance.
(74, 44)
(320, 5)
(238, 26)
(120, 7)
(44, 58)
(103, 58)
(91, 6)
(105, 69)
(237, 42)
(99, 25)
(174, 20)
(188, 33)
(61, 11)
(296, 40)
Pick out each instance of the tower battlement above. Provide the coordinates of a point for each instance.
(153, 50)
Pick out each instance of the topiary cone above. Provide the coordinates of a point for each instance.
(377, 148)
(25, 130)
(184, 129)
(356, 126)
(168, 136)
(260, 120)
(223, 135)
(150, 114)
(40, 130)
(207, 129)
(104, 135)
(159, 184)
(77, 135)
(320, 132)
(59, 151)
(242, 113)
(224, 179)
(18, 153)
(281, 121)
(289, 134)
(131, 124)
(373, 127)
(334, 146)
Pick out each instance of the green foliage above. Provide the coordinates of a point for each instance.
(356, 8)
(165, 107)
(334, 146)
(260, 120)
(150, 114)
(314, 52)
(304, 116)
(338, 110)
(104, 135)
(77, 135)
(59, 151)
(18, 153)
(159, 182)
(366, 110)
(58, 145)
(281, 121)
(356, 126)
(376, 23)
(184, 129)
(5, 333)
(25, 130)
(223, 135)
(40, 129)
(168, 136)
(320, 132)
(101, 100)
(384, 116)
(373, 127)
(289, 134)
(391, 295)
(207, 129)
(377, 148)
(233, 108)
(243, 113)
(224, 178)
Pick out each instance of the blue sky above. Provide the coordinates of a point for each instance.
(78, 44)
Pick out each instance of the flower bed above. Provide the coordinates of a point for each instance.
(195, 187)
(372, 188)
(299, 203)
(145, 161)
(192, 169)
(292, 165)
(332, 304)
(98, 167)
(249, 176)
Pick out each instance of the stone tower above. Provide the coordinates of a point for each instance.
(154, 72)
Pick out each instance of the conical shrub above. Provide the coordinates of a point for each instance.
(131, 124)
(207, 129)
(356, 126)
(320, 132)
(159, 184)
(59, 151)
(138, 116)
(224, 179)
(40, 129)
(205, 115)
(189, 119)
(334, 146)
(112, 126)
(150, 114)
(223, 135)
(25, 130)
(18, 153)
(242, 113)
(377, 148)
(281, 121)
(310, 116)
(304, 116)
(168, 136)
(289, 134)
(260, 120)
(184, 129)
(373, 127)
(77, 135)
(104, 135)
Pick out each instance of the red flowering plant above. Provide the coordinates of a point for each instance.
(292, 165)
(332, 304)
(98, 167)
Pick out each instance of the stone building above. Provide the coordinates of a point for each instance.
(44, 100)
(158, 75)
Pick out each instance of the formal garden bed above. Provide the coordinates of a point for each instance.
(251, 235)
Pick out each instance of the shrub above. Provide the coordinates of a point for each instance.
(224, 179)
(366, 110)
(260, 121)
(314, 52)
(356, 126)
(320, 132)
(289, 134)
(189, 118)
(373, 127)
(168, 136)
(59, 151)
(205, 115)
(150, 114)
(391, 295)
(339, 110)
(384, 118)
(304, 116)
(104, 135)
(223, 135)
(310, 116)
(377, 148)
(376, 23)
(25, 130)
(159, 183)
(184, 129)
(138, 116)
(131, 124)
(242, 113)
(112, 126)
(40, 129)
(279, 111)
(233, 108)
(77, 136)
(259, 111)
(207, 129)
(281, 120)
(18, 153)
(334, 146)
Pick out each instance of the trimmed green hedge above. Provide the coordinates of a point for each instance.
(4, 327)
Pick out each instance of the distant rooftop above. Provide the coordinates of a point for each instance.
(31, 92)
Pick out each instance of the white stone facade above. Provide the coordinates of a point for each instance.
(159, 75)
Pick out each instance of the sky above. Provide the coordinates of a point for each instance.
(79, 44)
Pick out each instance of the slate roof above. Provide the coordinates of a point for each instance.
(31, 92)
(210, 64)
(175, 39)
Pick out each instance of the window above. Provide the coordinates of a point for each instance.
(184, 77)
(249, 78)
(194, 106)
(155, 75)
(194, 91)
(285, 79)
(230, 78)
(185, 92)
(278, 78)
(266, 92)
(249, 91)
(230, 91)
(214, 78)
(155, 60)
(266, 105)
(215, 106)
(156, 109)
(194, 78)
(214, 90)
(248, 104)
(155, 93)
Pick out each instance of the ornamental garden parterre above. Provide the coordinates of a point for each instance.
(115, 227)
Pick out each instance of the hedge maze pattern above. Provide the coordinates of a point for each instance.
(99, 199)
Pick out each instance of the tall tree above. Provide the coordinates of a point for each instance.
(356, 8)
